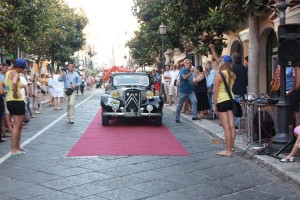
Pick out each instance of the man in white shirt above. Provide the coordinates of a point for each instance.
(167, 79)
(162, 92)
(173, 88)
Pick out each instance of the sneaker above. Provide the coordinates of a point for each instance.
(177, 121)
(195, 118)
(33, 116)
(37, 112)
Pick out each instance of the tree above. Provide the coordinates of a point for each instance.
(47, 29)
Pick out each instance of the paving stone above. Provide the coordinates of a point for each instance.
(85, 190)
(124, 194)
(28, 192)
(95, 176)
(65, 182)
(120, 182)
(8, 184)
(157, 187)
(249, 194)
(54, 195)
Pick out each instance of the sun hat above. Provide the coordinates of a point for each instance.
(226, 58)
(20, 62)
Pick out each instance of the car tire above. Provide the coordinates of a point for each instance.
(105, 119)
(158, 120)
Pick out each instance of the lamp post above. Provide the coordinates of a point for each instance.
(162, 32)
(282, 138)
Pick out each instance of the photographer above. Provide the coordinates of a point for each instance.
(71, 81)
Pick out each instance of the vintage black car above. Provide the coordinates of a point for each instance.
(131, 95)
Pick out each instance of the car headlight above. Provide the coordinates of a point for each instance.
(149, 95)
(115, 94)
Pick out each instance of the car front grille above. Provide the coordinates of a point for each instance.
(132, 100)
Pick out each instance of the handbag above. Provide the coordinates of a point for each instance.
(236, 107)
(69, 91)
(26, 117)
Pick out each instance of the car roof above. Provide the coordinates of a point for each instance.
(129, 73)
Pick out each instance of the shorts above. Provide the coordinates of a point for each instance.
(224, 106)
(16, 107)
(157, 86)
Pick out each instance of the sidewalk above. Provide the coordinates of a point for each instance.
(286, 171)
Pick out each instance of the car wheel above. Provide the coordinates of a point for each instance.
(105, 118)
(158, 120)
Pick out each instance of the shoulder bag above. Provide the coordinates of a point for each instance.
(236, 107)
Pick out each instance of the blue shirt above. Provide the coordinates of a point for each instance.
(185, 85)
(70, 78)
(211, 79)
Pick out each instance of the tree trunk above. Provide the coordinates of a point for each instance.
(253, 66)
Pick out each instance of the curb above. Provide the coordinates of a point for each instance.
(286, 171)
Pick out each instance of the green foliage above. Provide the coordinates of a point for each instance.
(48, 29)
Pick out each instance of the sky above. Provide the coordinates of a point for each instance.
(108, 19)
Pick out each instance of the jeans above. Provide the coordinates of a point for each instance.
(28, 107)
(182, 97)
(211, 106)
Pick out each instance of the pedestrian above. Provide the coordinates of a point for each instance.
(58, 91)
(7, 117)
(200, 89)
(239, 87)
(71, 81)
(2, 94)
(293, 153)
(223, 104)
(173, 88)
(167, 82)
(50, 90)
(185, 90)
(162, 92)
(156, 81)
(15, 103)
(210, 89)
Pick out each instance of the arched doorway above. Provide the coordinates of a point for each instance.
(271, 57)
(237, 47)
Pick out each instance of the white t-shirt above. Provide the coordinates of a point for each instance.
(174, 75)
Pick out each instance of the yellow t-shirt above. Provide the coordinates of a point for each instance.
(10, 92)
(223, 95)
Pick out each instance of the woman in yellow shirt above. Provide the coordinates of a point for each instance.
(223, 104)
(15, 103)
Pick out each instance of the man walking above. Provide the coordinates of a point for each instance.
(185, 90)
(71, 81)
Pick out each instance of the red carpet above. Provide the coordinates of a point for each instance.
(126, 137)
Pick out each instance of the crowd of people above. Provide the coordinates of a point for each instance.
(193, 90)
(22, 93)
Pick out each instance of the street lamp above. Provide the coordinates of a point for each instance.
(282, 139)
(162, 32)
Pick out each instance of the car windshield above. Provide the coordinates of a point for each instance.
(138, 80)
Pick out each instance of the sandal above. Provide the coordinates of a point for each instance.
(298, 145)
(288, 159)
(8, 130)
